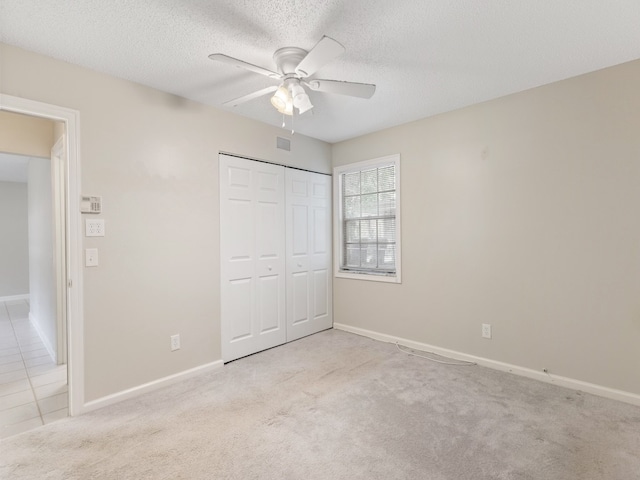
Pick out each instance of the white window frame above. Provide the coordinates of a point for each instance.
(338, 221)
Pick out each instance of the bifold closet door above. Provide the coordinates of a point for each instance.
(252, 256)
(308, 284)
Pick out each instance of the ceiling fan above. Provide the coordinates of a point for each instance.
(295, 66)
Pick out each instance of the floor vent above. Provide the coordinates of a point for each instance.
(283, 144)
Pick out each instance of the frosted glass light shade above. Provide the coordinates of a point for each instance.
(302, 103)
(280, 99)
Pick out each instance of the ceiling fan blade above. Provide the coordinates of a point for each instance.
(245, 98)
(219, 57)
(362, 90)
(325, 50)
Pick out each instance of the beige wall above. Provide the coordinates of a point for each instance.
(14, 239)
(523, 213)
(25, 135)
(42, 287)
(153, 157)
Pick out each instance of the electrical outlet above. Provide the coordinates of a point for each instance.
(94, 228)
(175, 342)
(91, 257)
(486, 330)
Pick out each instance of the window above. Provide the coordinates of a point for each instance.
(367, 229)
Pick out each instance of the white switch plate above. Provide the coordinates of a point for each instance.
(94, 228)
(91, 257)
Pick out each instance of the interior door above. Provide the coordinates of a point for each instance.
(309, 291)
(252, 253)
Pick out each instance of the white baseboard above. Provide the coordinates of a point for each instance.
(12, 298)
(592, 388)
(46, 341)
(149, 387)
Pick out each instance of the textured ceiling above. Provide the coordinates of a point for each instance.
(425, 56)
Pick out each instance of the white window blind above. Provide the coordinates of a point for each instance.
(368, 210)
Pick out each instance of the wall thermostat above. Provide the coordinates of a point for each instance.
(90, 204)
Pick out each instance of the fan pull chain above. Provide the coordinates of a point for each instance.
(284, 123)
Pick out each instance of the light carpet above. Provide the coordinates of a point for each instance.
(339, 406)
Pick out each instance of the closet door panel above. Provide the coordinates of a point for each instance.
(239, 311)
(252, 256)
(300, 300)
(321, 294)
(308, 200)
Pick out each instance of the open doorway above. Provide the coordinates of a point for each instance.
(64, 349)
(33, 317)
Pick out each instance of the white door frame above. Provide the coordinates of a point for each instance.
(75, 320)
(59, 192)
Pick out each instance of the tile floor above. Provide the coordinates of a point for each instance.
(33, 390)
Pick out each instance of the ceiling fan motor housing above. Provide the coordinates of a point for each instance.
(288, 58)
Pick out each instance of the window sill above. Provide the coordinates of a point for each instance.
(372, 277)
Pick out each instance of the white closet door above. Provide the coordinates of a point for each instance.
(309, 304)
(252, 255)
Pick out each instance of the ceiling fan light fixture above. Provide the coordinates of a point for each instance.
(288, 109)
(280, 99)
(296, 90)
(300, 98)
(303, 103)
